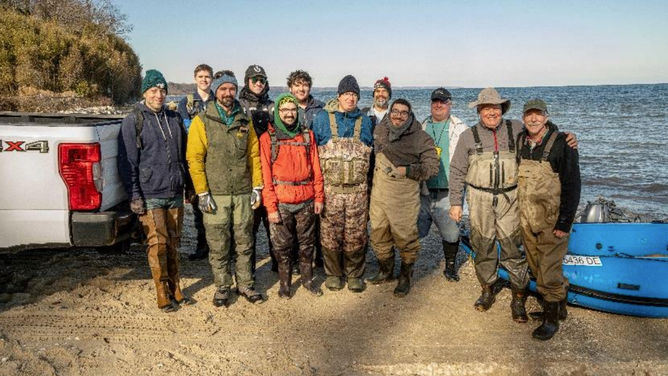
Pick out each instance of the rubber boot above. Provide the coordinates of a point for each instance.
(307, 278)
(284, 279)
(333, 268)
(486, 299)
(404, 285)
(202, 249)
(550, 324)
(517, 306)
(450, 253)
(353, 265)
(385, 272)
(563, 310)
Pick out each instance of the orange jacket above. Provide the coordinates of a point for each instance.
(291, 165)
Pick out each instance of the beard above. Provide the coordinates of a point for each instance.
(381, 102)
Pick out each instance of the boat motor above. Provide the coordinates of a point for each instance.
(597, 211)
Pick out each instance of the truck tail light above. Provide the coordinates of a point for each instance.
(79, 166)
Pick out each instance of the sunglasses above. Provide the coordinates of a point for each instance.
(261, 80)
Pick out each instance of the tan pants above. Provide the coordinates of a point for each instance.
(163, 232)
(395, 205)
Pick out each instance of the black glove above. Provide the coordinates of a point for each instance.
(137, 206)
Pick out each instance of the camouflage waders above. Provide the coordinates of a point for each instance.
(494, 214)
(395, 204)
(343, 222)
(539, 196)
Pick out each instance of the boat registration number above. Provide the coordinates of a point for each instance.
(582, 260)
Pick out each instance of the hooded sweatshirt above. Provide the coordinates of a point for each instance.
(407, 146)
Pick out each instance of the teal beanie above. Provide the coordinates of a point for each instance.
(153, 78)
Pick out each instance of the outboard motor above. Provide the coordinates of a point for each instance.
(597, 211)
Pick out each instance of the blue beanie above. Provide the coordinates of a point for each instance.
(153, 78)
(227, 77)
(348, 83)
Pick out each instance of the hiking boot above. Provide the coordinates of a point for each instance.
(221, 297)
(550, 324)
(307, 279)
(450, 253)
(404, 285)
(355, 284)
(485, 300)
(250, 294)
(385, 272)
(171, 307)
(333, 283)
(517, 306)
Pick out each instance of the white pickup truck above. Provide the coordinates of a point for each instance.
(59, 184)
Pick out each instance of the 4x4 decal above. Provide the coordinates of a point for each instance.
(40, 146)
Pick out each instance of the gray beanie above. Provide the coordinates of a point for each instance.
(348, 83)
(227, 77)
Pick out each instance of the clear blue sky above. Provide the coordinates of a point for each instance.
(413, 42)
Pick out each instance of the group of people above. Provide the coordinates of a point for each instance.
(315, 174)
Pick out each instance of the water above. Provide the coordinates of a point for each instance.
(620, 129)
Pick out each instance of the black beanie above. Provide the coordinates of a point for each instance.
(348, 83)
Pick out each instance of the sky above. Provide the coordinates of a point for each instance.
(413, 42)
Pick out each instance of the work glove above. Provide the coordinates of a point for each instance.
(137, 206)
(206, 203)
(256, 197)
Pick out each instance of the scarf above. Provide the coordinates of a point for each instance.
(293, 129)
(396, 132)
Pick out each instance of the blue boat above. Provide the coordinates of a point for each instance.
(616, 267)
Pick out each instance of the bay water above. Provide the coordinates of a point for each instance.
(621, 131)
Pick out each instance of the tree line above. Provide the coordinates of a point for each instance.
(67, 46)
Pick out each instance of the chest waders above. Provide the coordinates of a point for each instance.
(493, 212)
(395, 205)
(344, 162)
(540, 199)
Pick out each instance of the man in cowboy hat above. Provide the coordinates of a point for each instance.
(485, 160)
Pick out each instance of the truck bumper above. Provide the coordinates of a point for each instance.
(102, 229)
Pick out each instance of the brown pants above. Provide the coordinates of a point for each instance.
(163, 232)
(297, 225)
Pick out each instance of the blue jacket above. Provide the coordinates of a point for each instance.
(313, 106)
(345, 122)
(158, 169)
(199, 105)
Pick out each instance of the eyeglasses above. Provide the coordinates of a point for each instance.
(349, 94)
(286, 110)
(441, 102)
(261, 80)
(402, 114)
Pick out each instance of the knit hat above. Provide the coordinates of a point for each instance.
(153, 78)
(383, 83)
(227, 77)
(254, 71)
(491, 96)
(441, 94)
(348, 83)
(535, 104)
(281, 100)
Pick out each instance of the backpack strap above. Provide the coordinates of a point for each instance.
(190, 103)
(274, 145)
(139, 125)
